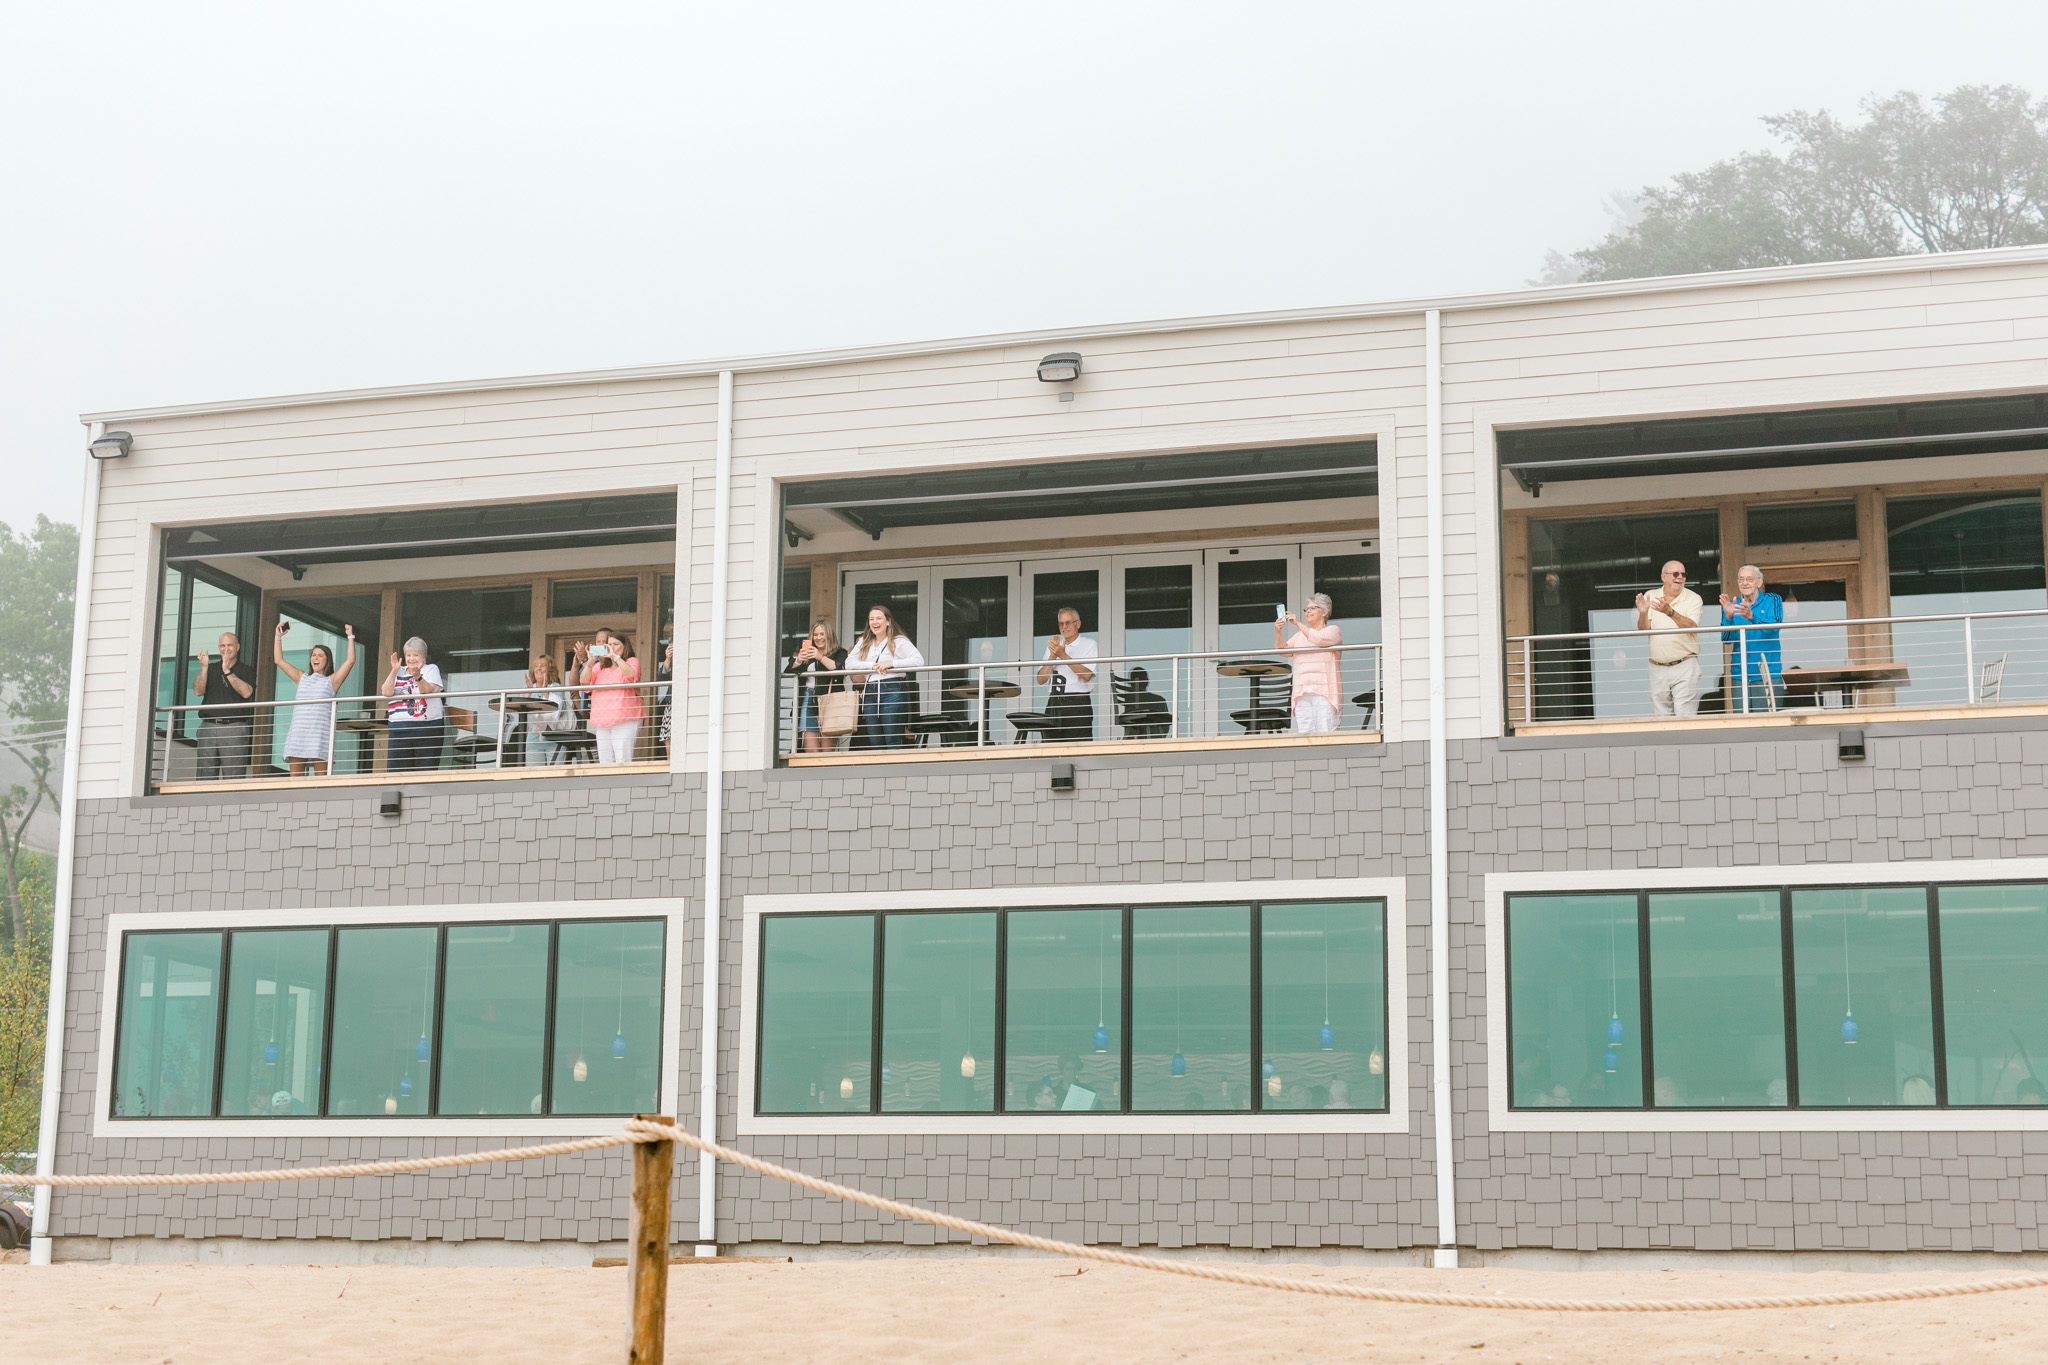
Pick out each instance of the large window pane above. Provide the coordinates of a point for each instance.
(608, 980)
(1717, 999)
(1971, 552)
(1191, 1007)
(817, 1013)
(277, 1014)
(1322, 1006)
(1865, 1003)
(169, 1017)
(492, 1024)
(938, 1013)
(1063, 1034)
(383, 1009)
(1574, 1002)
(596, 597)
(1994, 959)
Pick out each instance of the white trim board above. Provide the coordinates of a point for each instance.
(674, 909)
(1502, 1119)
(1393, 890)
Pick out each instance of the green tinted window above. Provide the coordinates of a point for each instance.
(1994, 957)
(170, 1012)
(1864, 996)
(383, 1013)
(1322, 1006)
(817, 1013)
(1717, 1000)
(1063, 1039)
(277, 1015)
(597, 597)
(1191, 1007)
(1574, 1002)
(608, 979)
(938, 1013)
(492, 1026)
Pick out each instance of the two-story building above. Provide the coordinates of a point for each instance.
(1229, 799)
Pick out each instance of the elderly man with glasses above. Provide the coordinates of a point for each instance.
(1674, 612)
(1759, 665)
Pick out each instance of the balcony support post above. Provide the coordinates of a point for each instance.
(714, 825)
(1439, 802)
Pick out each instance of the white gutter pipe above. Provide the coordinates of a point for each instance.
(1439, 799)
(67, 845)
(714, 825)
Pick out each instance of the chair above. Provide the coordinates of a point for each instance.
(951, 731)
(1029, 723)
(469, 745)
(570, 746)
(1990, 680)
(1140, 713)
(1368, 702)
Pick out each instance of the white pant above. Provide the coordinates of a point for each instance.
(615, 742)
(1313, 714)
(1675, 688)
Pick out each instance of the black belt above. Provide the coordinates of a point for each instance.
(223, 720)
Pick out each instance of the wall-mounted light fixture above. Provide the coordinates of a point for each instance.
(111, 446)
(1061, 367)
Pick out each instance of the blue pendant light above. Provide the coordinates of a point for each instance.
(1326, 1037)
(1611, 1059)
(888, 1072)
(1849, 1029)
(405, 1084)
(619, 1047)
(1101, 1038)
(420, 1049)
(270, 1051)
(1614, 1030)
(1266, 1069)
(1180, 1065)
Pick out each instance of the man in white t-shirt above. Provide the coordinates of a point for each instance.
(1674, 658)
(1072, 704)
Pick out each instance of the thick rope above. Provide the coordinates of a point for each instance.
(420, 1163)
(1229, 1274)
(643, 1130)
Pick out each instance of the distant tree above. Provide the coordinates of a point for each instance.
(38, 582)
(1967, 173)
(24, 1005)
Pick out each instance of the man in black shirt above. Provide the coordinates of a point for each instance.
(226, 737)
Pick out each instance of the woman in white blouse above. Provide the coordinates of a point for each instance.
(887, 696)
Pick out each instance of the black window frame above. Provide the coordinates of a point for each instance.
(227, 933)
(1000, 1062)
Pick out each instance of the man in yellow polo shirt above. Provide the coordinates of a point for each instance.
(1674, 658)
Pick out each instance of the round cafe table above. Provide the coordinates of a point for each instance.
(985, 692)
(1258, 718)
(513, 753)
(368, 728)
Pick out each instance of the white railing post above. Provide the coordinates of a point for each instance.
(1969, 663)
(1528, 681)
(1742, 663)
(981, 695)
(1179, 703)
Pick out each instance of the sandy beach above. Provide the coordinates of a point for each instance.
(949, 1310)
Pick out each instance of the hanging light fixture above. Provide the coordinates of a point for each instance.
(1326, 1037)
(967, 1066)
(1101, 954)
(1376, 1064)
(1101, 1038)
(619, 1038)
(846, 1088)
(1273, 1086)
(1849, 1029)
(270, 1052)
(405, 1084)
(391, 1104)
(1610, 1059)
(581, 1071)
(619, 1046)
(1613, 999)
(1180, 1064)
(420, 1049)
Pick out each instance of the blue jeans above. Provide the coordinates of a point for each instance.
(415, 745)
(885, 706)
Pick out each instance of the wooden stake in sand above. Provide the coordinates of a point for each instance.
(647, 1229)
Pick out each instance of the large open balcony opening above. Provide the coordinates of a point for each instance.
(511, 602)
(1856, 560)
(1077, 606)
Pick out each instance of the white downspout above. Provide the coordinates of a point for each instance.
(67, 844)
(714, 824)
(1439, 798)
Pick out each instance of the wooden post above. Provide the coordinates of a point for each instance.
(647, 1269)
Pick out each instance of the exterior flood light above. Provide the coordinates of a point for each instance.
(1061, 367)
(116, 444)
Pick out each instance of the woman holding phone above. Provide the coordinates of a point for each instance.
(615, 711)
(308, 745)
(820, 663)
(1318, 683)
(885, 694)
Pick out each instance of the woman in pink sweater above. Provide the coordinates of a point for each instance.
(1318, 680)
(615, 712)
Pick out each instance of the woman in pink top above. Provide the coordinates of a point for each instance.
(615, 712)
(1318, 683)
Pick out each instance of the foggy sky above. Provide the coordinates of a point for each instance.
(209, 201)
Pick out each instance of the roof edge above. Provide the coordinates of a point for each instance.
(797, 360)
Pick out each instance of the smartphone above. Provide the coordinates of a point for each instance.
(600, 651)
(286, 626)
(1279, 611)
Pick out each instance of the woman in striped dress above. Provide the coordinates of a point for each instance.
(307, 745)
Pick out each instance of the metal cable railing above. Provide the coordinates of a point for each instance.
(507, 727)
(1005, 703)
(1850, 664)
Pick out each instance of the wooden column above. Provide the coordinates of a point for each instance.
(1874, 572)
(1734, 541)
(1516, 616)
(647, 1232)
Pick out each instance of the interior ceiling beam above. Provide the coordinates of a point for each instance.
(841, 505)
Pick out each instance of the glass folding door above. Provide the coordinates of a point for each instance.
(1056, 588)
(1253, 588)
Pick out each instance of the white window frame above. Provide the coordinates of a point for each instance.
(104, 1126)
(1502, 1119)
(1393, 890)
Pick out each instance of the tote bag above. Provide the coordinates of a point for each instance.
(838, 712)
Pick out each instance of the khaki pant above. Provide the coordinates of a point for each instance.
(1675, 688)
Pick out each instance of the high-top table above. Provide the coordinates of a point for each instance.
(985, 692)
(1848, 679)
(1258, 718)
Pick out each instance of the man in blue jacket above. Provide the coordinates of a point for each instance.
(1758, 682)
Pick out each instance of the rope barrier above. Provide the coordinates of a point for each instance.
(643, 1130)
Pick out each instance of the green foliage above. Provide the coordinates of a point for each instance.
(38, 585)
(1969, 172)
(24, 1002)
